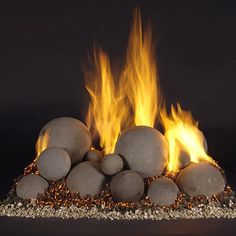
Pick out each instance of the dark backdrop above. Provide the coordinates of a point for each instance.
(42, 47)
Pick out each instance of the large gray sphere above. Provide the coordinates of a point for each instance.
(144, 149)
(93, 155)
(111, 164)
(30, 186)
(127, 186)
(86, 178)
(163, 191)
(70, 134)
(53, 163)
(200, 179)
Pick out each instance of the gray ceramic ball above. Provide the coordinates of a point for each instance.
(30, 186)
(163, 191)
(200, 179)
(184, 159)
(53, 163)
(70, 134)
(127, 186)
(111, 164)
(93, 155)
(86, 178)
(144, 149)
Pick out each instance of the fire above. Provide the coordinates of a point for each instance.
(182, 134)
(109, 112)
(134, 98)
(140, 74)
(107, 108)
(41, 143)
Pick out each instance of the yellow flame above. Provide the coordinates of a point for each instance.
(109, 112)
(140, 74)
(41, 143)
(182, 133)
(107, 108)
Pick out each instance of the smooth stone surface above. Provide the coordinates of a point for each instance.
(200, 179)
(127, 186)
(144, 149)
(67, 133)
(86, 178)
(53, 163)
(111, 164)
(30, 186)
(184, 157)
(93, 155)
(163, 191)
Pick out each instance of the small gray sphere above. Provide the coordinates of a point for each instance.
(200, 179)
(86, 178)
(111, 164)
(144, 149)
(127, 186)
(184, 159)
(67, 133)
(53, 163)
(163, 191)
(30, 186)
(93, 155)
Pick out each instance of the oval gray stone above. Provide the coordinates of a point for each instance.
(200, 179)
(93, 155)
(127, 186)
(144, 149)
(67, 133)
(86, 178)
(29, 186)
(53, 163)
(111, 164)
(163, 191)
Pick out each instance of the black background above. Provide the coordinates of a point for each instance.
(43, 45)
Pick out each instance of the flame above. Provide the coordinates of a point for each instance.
(140, 74)
(107, 108)
(182, 133)
(42, 143)
(109, 111)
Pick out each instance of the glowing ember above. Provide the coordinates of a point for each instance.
(182, 134)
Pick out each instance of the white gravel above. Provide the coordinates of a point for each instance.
(32, 211)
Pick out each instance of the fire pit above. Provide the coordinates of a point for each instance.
(137, 171)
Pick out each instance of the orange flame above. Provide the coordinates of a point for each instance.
(109, 111)
(41, 143)
(107, 108)
(182, 133)
(140, 74)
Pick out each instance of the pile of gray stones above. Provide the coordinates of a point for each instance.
(140, 152)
